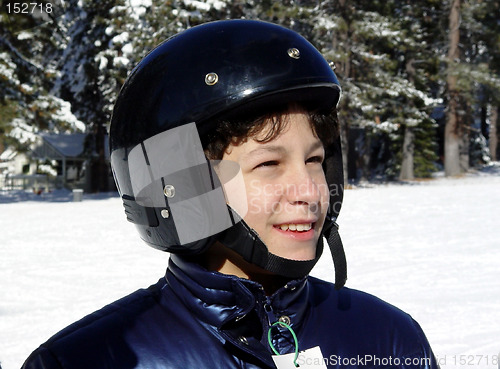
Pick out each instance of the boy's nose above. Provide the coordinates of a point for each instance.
(303, 189)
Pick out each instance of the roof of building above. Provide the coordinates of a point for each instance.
(68, 145)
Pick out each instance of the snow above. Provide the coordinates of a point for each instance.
(430, 247)
(24, 35)
(327, 23)
(375, 24)
(27, 89)
(205, 5)
(121, 60)
(137, 8)
(110, 30)
(22, 131)
(64, 114)
(121, 38)
(128, 49)
(102, 61)
(9, 154)
(388, 126)
(7, 68)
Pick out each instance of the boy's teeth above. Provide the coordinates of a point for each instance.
(296, 227)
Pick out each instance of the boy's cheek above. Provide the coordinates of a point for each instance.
(260, 205)
(254, 206)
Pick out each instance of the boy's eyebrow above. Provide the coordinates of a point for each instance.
(277, 149)
(316, 145)
(267, 148)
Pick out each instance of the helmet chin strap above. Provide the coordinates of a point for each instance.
(245, 241)
(337, 250)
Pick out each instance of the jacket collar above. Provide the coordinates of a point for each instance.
(218, 298)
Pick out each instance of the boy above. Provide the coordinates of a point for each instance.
(225, 151)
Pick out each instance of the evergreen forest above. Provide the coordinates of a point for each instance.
(420, 78)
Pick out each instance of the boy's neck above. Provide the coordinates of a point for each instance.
(224, 260)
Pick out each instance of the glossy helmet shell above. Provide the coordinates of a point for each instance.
(206, 72)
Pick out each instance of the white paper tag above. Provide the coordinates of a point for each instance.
(308, 359)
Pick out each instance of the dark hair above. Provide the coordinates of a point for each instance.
(236, 130)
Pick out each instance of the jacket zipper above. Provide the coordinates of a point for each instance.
(271, 318)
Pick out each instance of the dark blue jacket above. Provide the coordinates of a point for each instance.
(198, 319)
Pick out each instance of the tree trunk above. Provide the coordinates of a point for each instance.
(407, 173)
(341, 39)
(365, 153)
(464, 132)
(344, 141)
(452, 131)
(494, 132)
(407, 167)
(99, 167)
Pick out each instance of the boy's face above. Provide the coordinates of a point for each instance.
(286, 188)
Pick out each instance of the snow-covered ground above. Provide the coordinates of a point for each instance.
(431, 248)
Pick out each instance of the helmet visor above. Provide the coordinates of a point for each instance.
(170, 171)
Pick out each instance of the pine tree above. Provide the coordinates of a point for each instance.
(481, 82)
(378, 49)
(390, 58)
(26, 104)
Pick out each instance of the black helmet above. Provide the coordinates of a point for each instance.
(170, 190)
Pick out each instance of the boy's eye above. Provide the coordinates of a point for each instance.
(315, 159)
(268, 163)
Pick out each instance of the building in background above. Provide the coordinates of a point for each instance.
(55, 161)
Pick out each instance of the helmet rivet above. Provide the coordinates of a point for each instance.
(169, 191)
(211, 79)
(294, 53)
(165, 213)
(332, 64)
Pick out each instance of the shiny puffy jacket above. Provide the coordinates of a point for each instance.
(193, 318)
